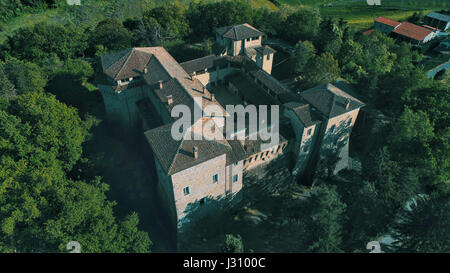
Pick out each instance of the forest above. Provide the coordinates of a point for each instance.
(54, 189)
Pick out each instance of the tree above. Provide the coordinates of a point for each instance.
(330, 36)
(302, 25)
(324, 220)
(411, 130)
(43, 208)
(167, 22)
(111, 34)
(7, 88)
(434, 101)
(44, 39)
(320, 69)
(233, 244)
(424, 227)
(304, 51)
(25, 76)
(205, 17)
(395, 184)
(78, 68)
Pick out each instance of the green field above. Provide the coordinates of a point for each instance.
(359, 14)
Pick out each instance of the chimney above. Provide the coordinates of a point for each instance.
(145, 70)
(347, 103)
(169, 99)
(213, 97)
(195, 152)
(160, 84)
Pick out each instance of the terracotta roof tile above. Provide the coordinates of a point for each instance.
(412, 31)
(239, 32)
(387, 21)
(330, 100)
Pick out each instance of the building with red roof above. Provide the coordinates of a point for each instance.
(413, 33)
(406, 31)
(385, 25)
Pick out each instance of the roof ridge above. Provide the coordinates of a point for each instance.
(126, 61)
(176, 152)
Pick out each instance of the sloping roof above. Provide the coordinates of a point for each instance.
(412, 31)
(177, 155)
(265, 49)
(179, 95)
(239, 32)
(131, 63)
(387, 21)
(183, 92)
(330, 100)
(269, 81)
(439, 16)
(303, 112)
(237, 152)
(200, 63)
(368, 32)
(251, 92)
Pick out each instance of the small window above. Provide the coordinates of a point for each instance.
(309, 131)
(268, 56)
(215, 178)
(236, 163)
(235, 178)
(202, 201)
(186, 191)
(332, 128)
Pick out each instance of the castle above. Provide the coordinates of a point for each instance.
(141, 87)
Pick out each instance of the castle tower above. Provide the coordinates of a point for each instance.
(264, 58)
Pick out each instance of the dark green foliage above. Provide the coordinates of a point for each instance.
(111, 34)
(204, 18)
(166, 22)
(320, 69)
(44, 39)
(42, 208)
(425, 227)
(25, 76)
(330, 37)
(323, 220)
(303, 24)
(233, 244)
(12, 8)
(304, 51)
(7, 88)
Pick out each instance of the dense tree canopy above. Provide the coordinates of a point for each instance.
(42, 207)
(39, 42)
(320, 69)
(424, 226)
(111, 34)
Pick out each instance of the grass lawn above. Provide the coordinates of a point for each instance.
(361, 15)
(26, 20)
